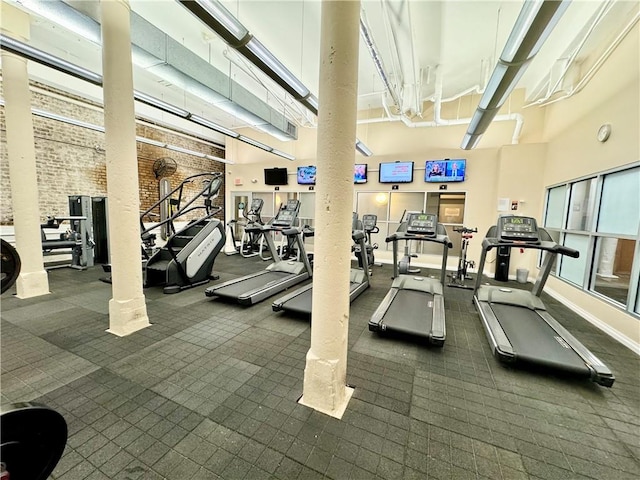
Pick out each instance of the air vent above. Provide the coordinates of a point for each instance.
(292, 129)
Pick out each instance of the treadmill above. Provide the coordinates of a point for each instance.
(299, 301)
(517, 324)
(281, 274)
(415, 305)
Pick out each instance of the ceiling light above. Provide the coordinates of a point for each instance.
(363, 149)
(157, 103)
(276, 70)
(225, 24)
(255, 143)
(283, 154)
(311, 102)
(532, 27)
(470, 141)
(213, 126)
(150, 141)
(68, 17)
(19, 48)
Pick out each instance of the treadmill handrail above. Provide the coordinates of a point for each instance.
(400, 236)
(548, 246)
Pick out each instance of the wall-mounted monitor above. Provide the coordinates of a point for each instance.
(360, 173)
(307, 175)
(447, 170)
(275, 176)
(396, 172)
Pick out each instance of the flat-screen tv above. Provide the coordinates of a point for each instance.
(448, 170)
(307, 175)
(275, 176)
(396, 172)
(360, 173)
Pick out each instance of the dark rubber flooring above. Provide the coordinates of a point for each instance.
(210, 389)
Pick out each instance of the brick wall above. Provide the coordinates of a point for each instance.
(70, 160)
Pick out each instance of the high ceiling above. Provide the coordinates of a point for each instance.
(429, 49)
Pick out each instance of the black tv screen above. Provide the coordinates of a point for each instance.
(360, 173)
(275, 176)
(448, 170)
(396, 172)
(307, 175)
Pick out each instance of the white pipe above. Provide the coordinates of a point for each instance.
(596, 66)
(604, 9)
(390, 117)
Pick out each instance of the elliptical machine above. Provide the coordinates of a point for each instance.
(369, 226)
(252, 242)
(458, 278)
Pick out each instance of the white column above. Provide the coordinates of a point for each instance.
(127, 308)
(326, 369)
(33, 280)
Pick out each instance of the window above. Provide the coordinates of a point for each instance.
(600, 217)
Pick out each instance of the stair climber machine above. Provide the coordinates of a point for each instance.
(415, 305)
(517, 324)
(283, 273)
(458, 278)
(299, 301)
(186, 260)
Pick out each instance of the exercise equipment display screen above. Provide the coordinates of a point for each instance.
(523, 229)
(422, 223)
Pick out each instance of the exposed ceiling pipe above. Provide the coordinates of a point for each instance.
(416, 83)
(594, 68)
(602, 12)
(437, 121)
(394, 49)
(365, 33)
(533, 25)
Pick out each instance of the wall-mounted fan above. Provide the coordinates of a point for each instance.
(164, 166)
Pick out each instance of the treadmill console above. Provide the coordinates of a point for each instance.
(422, 224)
(369, 222)
(518, 229)
(287, 215)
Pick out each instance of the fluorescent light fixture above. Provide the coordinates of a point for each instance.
(363, 149)
(51, 61)
(470, 141)
(66, 16)
(283, 154)
(68, 120)
(218, 159)
(533, 25)
(213, 126)
(157, 103)
(255, 143)
(149, 141)
(278, 72)
(311, 102)
(19, 48)
(228, 23)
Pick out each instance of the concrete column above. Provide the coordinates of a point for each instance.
(326, 369)
(127, 308)
(33, 280)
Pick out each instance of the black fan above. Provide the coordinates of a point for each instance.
(164, 166)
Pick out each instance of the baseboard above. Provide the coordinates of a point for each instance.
(608, 329)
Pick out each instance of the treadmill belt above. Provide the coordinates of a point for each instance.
(235, 290)
(302, 303)
(534, 341)
(410, 313)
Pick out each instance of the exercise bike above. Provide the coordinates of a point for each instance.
(458, 278)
